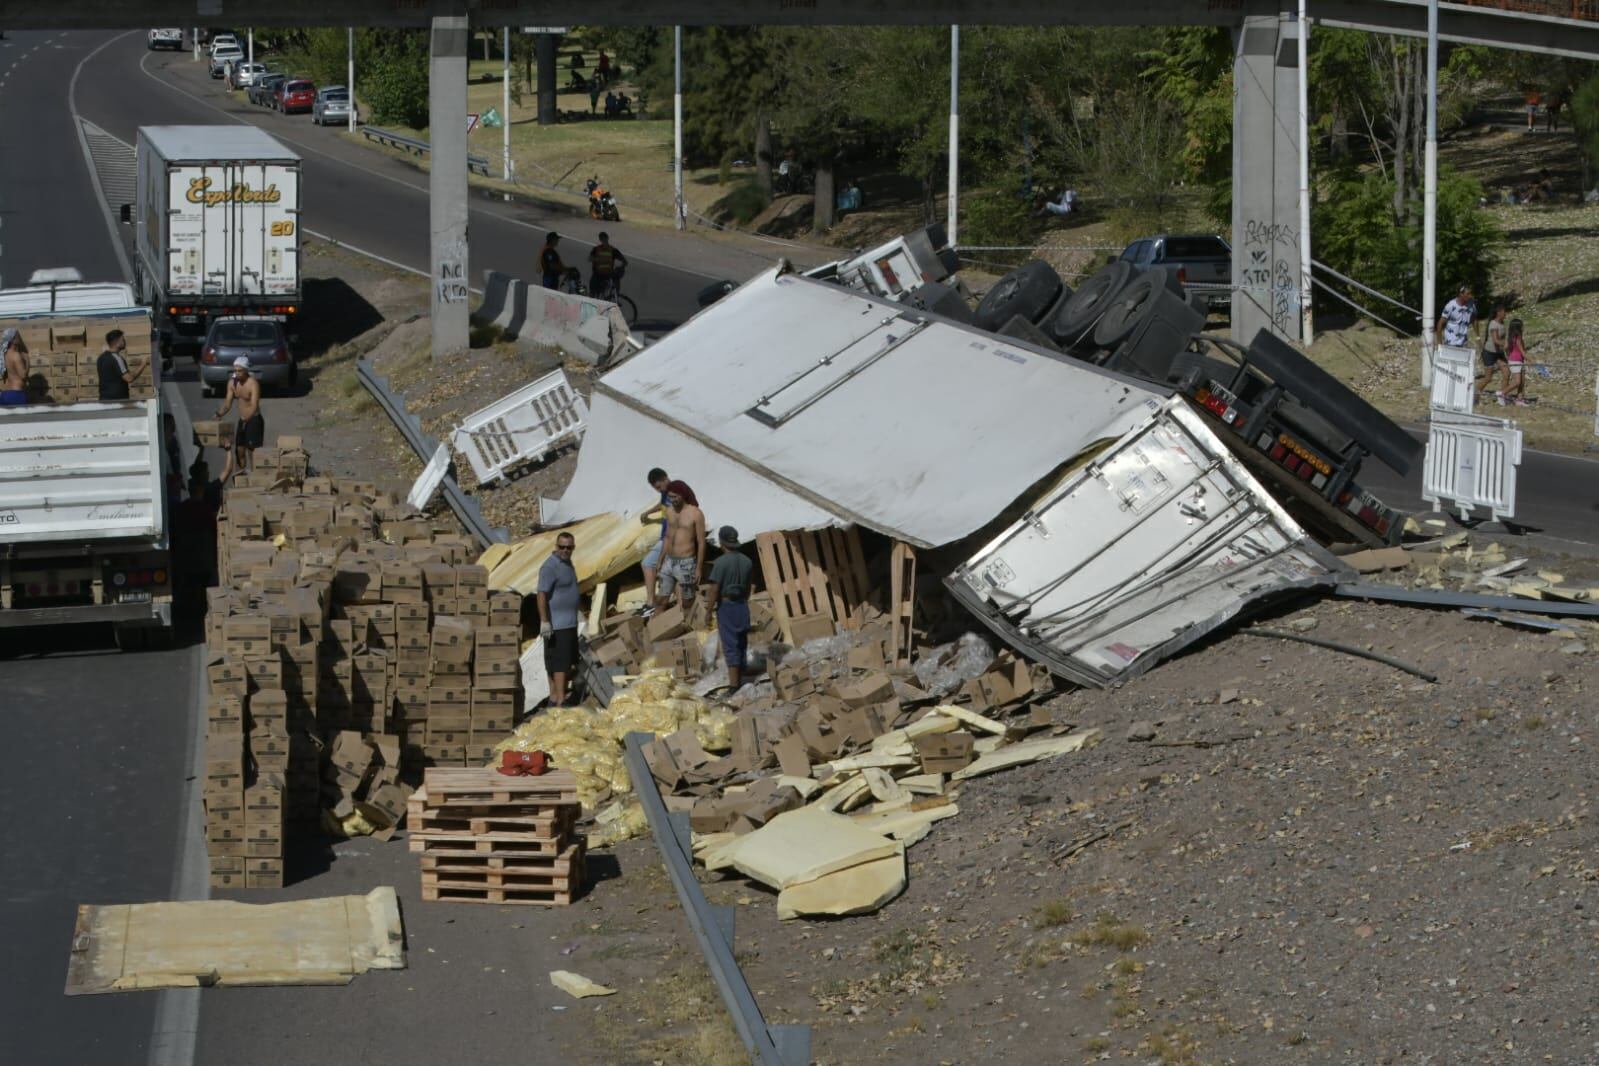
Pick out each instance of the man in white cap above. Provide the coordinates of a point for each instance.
(251, 431)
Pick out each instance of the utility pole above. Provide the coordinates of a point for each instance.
(954, 128)
(349, 70)
(197, 42)
(250, 36)
(1429, 187)
(1306, 326)
(505, 103)
(677, 124)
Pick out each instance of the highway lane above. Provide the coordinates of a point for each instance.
(93, 788)
(44, 186)
(378, 203)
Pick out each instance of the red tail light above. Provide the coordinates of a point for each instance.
(281, 355)
(1182, 275)
(208, 355)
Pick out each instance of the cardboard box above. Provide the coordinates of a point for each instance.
(214, 434)
(224, 714)
(944, 753)
(873, 688)
(808, 627)
(666, 625)
(224, 759)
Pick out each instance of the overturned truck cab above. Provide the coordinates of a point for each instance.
(1153, 543)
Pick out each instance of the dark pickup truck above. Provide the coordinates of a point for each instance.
(1204, 264)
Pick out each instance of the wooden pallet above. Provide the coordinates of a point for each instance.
(481, 787)
(814, 572)
(534, 897)
(569, 858)
(555, 881)
(465, 844)
(470, 822)
(902, 602)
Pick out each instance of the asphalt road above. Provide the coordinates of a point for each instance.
(95, 804)
(379, 204)
(98, 750)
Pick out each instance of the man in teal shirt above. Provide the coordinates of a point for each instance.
(730, 592)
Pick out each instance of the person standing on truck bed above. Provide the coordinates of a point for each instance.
(112, 368)
(14, 381)
(252, 426)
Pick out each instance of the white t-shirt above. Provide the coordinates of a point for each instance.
(1457, 322)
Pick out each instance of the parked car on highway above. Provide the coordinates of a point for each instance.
(332, 105)
(222, 57)
(1204, 263)
(165, 38)
(295, 95)
(244, 74)
(224, 40)
(258, 339)
(264, 89)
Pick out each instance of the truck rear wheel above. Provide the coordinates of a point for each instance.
(1029, 290)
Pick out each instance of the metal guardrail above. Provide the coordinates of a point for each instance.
(410, 427)
(768, 1045)
(417, 146)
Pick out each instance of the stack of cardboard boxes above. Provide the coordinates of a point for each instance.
(674, 638)
(355, 626)
(62, 353)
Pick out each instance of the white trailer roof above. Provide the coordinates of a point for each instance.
(859, 410)
(231, 140)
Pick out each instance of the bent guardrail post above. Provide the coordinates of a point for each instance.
(410, 427)
(769, 1045)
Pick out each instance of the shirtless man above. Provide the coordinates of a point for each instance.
(251, 431)
(14, 372)
(683, 563)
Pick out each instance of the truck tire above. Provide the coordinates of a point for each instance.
(940, 299)
(1023, 330)
(715, 291)
(1164, 327)
(1029, 290)
(1072, 327)
(1131, 306)
(1333, 400)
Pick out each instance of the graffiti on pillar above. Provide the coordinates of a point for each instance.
(1267, 271)
(1284, 299)
(451, 282)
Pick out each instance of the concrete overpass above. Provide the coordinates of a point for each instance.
(1266, 224)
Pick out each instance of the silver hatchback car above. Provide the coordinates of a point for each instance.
(332, 105)
(260, 340)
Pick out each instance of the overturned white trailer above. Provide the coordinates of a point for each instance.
(793, 403)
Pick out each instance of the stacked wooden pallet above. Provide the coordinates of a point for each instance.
(485, 837)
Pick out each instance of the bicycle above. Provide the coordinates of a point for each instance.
(610, 290)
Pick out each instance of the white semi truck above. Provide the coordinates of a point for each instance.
(217, 222)
(83, 507)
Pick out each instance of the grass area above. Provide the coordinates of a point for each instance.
(631, 156)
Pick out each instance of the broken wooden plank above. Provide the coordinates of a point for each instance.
(1028, 751)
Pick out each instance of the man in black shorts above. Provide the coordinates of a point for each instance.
(251, 433)
(557, 603)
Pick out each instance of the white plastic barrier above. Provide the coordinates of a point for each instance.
(1454, 372)
(429, 480)
(591, 330)
(521, 427)
(1472, 460)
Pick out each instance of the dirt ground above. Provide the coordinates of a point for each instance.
(1316, 858)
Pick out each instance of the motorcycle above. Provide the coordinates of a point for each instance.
(602, 205)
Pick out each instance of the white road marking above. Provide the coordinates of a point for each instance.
(541, 228)
(88, 159)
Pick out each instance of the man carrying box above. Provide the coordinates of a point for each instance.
(729, 597)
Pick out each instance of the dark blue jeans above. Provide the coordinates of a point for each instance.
(733, 623)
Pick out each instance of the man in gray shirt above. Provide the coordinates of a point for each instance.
(729, 596)
(557, 598)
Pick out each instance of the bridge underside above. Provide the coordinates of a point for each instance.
(1468, 24)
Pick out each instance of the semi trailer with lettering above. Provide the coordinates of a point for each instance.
(217, 222)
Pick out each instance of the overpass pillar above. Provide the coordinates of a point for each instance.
(1266, 230)
(447, 184)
